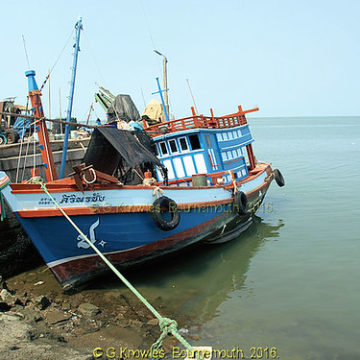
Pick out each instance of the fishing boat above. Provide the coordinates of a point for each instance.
(140, 195)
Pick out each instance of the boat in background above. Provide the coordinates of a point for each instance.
(138, 199)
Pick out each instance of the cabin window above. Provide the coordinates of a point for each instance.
(194, 142)
(163, 148)
(234, 154)
(219, 137)
(239, 152)
(225, 136)
(173, 146)
(183, 144)
(208, 141)
(239, 132)
(230, 135)
(155, 149)
(224, 156)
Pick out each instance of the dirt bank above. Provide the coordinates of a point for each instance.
(39, 321)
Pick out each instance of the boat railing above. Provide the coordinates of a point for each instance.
(200, 122)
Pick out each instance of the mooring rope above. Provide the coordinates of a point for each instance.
(167, 326)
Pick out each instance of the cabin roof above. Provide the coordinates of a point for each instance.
(199, 122)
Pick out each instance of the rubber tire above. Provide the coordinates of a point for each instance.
(240, 203)
(12, 136)
(159, 221)
(3, 139)
(279, 178)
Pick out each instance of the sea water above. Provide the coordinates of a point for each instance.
(291, 283)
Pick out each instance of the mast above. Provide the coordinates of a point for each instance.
(78, 27)
(41, 129)
(166, 99)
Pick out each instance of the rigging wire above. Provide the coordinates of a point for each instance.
(147, 24)
(26, 54)
(21, 144)
(94, 59)
(142, 93)
(28, 143)
(158, 61)
(192, 96)
(57, 59)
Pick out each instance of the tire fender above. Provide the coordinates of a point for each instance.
(169, 205)
(240, 203)
(279, 178)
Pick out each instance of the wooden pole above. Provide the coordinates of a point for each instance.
(88, 118)
(61, 127)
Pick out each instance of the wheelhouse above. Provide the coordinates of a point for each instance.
(204, 145)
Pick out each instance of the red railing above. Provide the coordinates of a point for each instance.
(199, 122)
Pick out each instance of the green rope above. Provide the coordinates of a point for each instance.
(167, 326)
(2, 207)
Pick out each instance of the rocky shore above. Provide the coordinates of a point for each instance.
(39, 321)
(17, 253)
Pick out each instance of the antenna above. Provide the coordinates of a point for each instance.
(187, 80)
(26, 54)
(142, 93)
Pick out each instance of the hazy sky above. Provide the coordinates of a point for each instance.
(290, 58)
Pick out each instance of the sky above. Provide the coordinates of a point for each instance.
(289, 58)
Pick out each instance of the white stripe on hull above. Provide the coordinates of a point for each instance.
(121, 197)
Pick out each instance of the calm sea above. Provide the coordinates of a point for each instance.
(292, 281)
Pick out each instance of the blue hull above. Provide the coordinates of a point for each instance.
(125, 239)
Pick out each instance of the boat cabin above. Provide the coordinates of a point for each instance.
(204, 145)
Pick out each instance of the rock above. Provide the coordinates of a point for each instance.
(39, 283)
(9, 318)
(42, 302)
(153, 322)
(119, 316)
(61, 339)
(88, 309)
(38, 318)
(56, 316)
(66, 306)
(32, 315)
(17, 306)
(4, 285)
(7, 297)
(4, 306)
(19, 315)
(135, 323)
(31, 335)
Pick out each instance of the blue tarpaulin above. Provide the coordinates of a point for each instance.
(21, 125)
